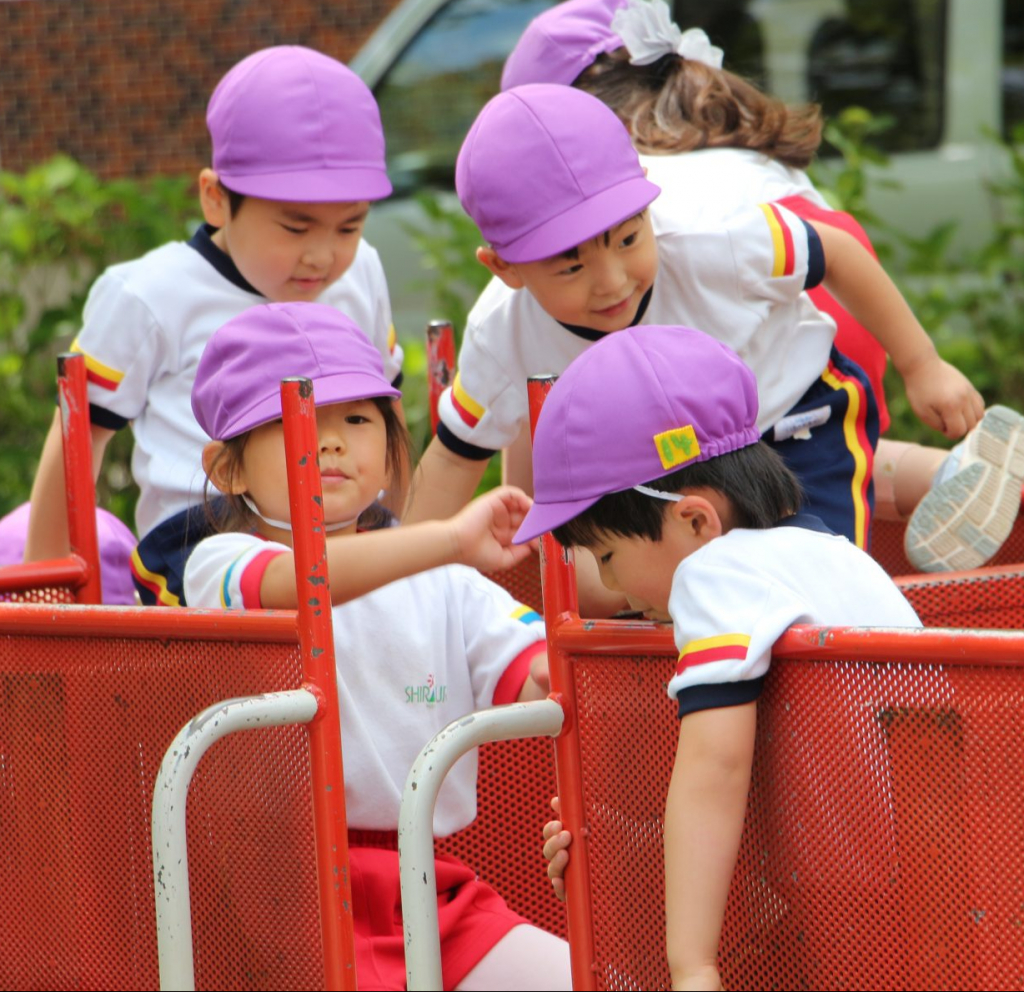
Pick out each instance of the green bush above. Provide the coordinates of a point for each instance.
(970, 302)
(59, 227)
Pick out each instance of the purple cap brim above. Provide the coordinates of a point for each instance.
(582, 221)
(345, 387)
(543, 517)
(349, 185)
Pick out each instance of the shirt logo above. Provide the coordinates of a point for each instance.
(677, 446)
(428, 693)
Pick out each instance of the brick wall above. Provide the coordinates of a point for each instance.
(122, 85)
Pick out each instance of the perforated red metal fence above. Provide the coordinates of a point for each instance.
(85, 719)
(881, 848)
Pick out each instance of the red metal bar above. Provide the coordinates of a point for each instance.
(41, 574)
(78, 472)
(276, 626)
(558, 581)
(316, 640)
(440, 364)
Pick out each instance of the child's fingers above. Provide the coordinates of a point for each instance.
(556, 848)
(556, 805)
(551, 828)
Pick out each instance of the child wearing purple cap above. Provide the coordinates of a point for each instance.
(298, 156)
(696, 124)
(415, 648)
(648, 453)
(551, 178)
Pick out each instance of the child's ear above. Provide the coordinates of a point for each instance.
(221, 470)
(213, 199)
(699, 516)
(497, 266)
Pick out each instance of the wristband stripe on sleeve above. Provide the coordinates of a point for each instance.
(782, 241)
(392, 339)
(465, 406)
(155, 583)
(96, 372)
(724, 647)
(525, 614)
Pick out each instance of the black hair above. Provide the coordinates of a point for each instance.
(235, 200)
(760, 489)
(228, 512)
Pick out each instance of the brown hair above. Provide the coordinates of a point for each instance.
(681, 105)
(228, 512)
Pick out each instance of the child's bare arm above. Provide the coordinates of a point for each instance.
(938, 393)
(538, 683)
(707, 801)
(48, 518)
(479, 535)
(443, 484)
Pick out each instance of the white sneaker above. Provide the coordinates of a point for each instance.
(965, 517)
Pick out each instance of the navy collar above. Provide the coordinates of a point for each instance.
(202, 242)
(808, 521)
(589, 334)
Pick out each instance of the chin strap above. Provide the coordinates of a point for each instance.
(285, 525)
(658, 494)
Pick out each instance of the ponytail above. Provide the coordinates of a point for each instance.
(681, 105)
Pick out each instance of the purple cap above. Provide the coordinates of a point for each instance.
(637, 405)
(116, 543)
(238, 381)
(563, 41)
(289, 123)
(545, 168)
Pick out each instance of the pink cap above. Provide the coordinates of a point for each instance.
(638, 404)
(563, 41)
(116, 543)
(545, 168)
(238, 380)
(289, 123)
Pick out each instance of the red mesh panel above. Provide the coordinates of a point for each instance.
(84, 724)
(51, 594)
(887, 547)
(516, 783)
(986, 598)
(523, 582)
(882, 848)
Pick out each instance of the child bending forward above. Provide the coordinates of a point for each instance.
(426, 641)
(647, 453)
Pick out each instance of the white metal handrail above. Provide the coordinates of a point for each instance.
(170, 794)
(416, 820)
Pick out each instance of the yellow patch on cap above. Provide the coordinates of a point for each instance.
(677, 446)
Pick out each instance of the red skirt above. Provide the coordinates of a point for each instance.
(472, 917)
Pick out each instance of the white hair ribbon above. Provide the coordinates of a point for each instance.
(648, 32)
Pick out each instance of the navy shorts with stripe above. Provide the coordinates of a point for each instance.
(834, 463)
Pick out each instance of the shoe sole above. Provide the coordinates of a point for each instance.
(962, 522)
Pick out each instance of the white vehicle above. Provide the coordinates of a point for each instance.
(948, 71)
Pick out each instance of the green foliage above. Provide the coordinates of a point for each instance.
(448, 241)
(60, 226)
(972, 302)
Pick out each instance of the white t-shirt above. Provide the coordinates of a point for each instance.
(411, 657)
(145, 325)
(740, 279)
(732, 599)
(702, 187)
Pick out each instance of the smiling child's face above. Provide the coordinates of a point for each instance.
(599, 284)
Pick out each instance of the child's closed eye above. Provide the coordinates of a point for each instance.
(294, 230)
